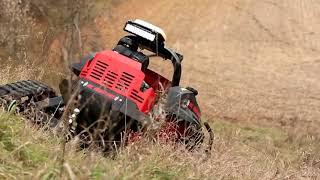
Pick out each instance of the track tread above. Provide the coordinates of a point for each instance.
(24, 88)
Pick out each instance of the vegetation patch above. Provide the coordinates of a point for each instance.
(240, 151)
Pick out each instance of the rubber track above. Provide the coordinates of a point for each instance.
(29, 88)
(24, 88)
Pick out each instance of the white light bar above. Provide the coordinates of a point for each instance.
(140, 32)
(151, 26)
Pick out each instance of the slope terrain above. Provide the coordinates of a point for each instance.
(255, 64)
(250, 60)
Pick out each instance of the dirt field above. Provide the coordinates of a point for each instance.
(250, 60)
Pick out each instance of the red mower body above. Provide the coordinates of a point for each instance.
(122, 75)
(113, 93)
(119, 85)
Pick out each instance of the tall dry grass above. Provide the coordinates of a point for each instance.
(240, 152)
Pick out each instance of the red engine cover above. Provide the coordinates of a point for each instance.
(121, 75)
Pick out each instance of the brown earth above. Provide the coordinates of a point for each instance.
(250, 60)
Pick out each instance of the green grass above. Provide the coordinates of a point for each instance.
(18, 150)
(241, 151)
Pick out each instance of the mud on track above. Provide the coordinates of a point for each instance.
(251, 60)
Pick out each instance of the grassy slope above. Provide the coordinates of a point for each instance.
(240, 151)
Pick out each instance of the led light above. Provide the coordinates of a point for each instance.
(151, 26)
(140, 32)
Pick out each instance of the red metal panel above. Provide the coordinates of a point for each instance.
(121, 75)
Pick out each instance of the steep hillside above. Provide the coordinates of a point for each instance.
(255, 64)
(251, 60)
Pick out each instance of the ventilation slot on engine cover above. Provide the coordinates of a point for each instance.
(135, 96)
(110, 79)
(125, 82)
(84, 73)
(98, 70)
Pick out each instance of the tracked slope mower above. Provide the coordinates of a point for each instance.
(115, 94)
